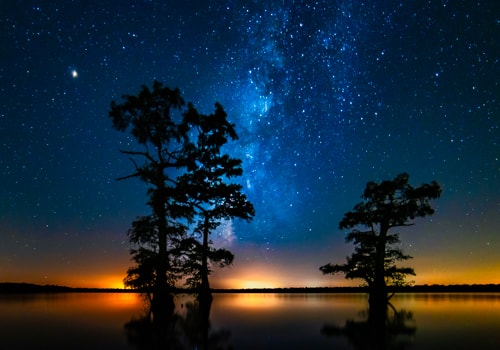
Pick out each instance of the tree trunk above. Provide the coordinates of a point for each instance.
(205, 305)
(162, 304)
(377, 326)
(378, 293)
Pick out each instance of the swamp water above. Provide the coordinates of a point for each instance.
(251, 321)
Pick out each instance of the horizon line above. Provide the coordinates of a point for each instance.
(32, 287)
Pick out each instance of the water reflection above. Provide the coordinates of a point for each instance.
(249, 321)
(187, 328)
(143, 333)
(379, 330)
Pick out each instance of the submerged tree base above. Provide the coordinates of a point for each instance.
(162, 307)
(378, 303)
(205, 296)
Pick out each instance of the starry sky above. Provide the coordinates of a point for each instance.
(325, 95)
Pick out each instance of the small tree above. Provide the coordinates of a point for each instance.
(385, 206)
(205, 192)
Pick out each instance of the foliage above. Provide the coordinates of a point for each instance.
(361, 264)
(144, 237)
(203, 189)
(192, 265)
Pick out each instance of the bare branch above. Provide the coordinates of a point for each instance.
(127, 177)
(137, 153)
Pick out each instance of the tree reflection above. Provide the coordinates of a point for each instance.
(381, 329)
(147, 332)
(188, 329)
(197, 328)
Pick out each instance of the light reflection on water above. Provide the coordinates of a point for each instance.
(66, 320)
(250, 321)
(455, 321)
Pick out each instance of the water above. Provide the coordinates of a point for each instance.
(251, 321)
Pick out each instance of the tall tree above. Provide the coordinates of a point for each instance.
(149, 116)
(186, 173)
(204, 190)
(385, 206)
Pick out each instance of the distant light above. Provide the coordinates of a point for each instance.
(74, 73)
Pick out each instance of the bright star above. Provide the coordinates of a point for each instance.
(74, 73)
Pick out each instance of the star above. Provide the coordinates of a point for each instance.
(325, 96)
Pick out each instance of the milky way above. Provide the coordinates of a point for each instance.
(325, 95)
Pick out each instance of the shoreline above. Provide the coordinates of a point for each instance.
(17, 288)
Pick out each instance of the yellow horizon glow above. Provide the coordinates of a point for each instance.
(264, 277)
(251, 284)
(116, 283)
(254, 301)
(272, 281)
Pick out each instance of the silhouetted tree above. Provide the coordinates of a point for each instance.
(203, 189)
(385, 206)
(150, 120)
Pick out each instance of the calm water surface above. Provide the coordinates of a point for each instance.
(251, 321)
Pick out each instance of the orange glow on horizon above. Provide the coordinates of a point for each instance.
(455, 271)
(265, 279)
(251, 284)
(262, 276)
(101, 281)
(116, 283)
(451, 278)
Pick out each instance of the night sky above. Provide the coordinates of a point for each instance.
(325, 95)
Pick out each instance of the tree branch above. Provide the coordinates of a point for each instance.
(127, 177)
(137, 153)
(400, 225)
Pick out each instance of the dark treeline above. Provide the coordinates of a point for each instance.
(434, 288)
(27, 288)
(14, 288)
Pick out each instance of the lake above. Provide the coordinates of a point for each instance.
(251, 321)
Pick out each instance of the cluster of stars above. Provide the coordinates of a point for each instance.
(325, 97)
